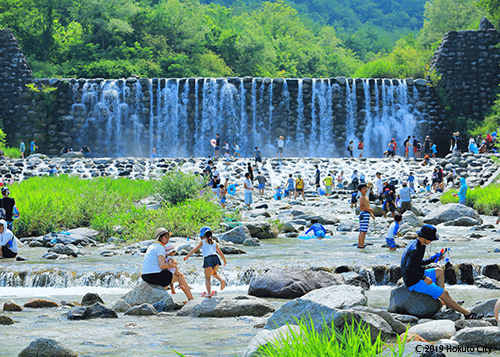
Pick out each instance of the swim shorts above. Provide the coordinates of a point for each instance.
(280, 150)
(433, 290)
(248, 198)
(364, 219)
(320, 234)
(390, 242)
(262, 186)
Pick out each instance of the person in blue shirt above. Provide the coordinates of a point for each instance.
(291, 187)
(22, 148)
(393, 232)
(462, 194)
(317, 228)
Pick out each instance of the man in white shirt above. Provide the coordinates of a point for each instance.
(405, 196)
(281, 143)
(248, 190)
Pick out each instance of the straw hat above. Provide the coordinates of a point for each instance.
(161, 231)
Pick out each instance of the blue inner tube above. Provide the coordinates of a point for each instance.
(231, 189)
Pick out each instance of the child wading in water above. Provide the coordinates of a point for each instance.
(211, 260)
(169, 253)
(393, 232)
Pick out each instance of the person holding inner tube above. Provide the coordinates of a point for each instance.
(155, 268)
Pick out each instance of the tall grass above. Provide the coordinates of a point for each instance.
(486, 200)
(12, 153)
(58, 203)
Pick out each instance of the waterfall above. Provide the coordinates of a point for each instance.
(178, 117)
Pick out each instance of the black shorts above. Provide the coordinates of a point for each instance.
(280, 150)
(391, 206)
(299, 190)
(163, 278)
(258, 159)
(211, 261)
(7, 253)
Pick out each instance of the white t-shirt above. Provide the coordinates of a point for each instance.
(380, 186)
(208, 249)
(281, 143)
(6, 238)
(390, 233)
(248, 183)
(150, 263)
(216, 174)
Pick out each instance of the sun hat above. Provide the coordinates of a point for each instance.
(161, 231)
(204, 230)
(169, 248)
(428, 232)
(5, 190)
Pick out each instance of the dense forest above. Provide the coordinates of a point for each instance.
(179, 38)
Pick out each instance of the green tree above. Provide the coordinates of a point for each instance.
(492, 7)
(442, 16)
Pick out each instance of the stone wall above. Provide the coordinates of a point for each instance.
(468, 62)
(15, 73)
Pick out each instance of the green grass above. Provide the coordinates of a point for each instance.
(50, 204)
(486, 200)
(12, 153)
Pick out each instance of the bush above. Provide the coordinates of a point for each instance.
(486, 200)
(176, 187)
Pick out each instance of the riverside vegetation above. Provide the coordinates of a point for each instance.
(49, 204)
(486, 200)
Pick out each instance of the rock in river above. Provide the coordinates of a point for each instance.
(47, 347)
(242, 305)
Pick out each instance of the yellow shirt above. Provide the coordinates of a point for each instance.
(300, 183)
(328, 180)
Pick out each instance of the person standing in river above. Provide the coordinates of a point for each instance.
(364, 216)
(317, 177)
(217, 146)
(7, 204)
(281, 144)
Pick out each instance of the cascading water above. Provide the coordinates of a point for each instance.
(179, 117)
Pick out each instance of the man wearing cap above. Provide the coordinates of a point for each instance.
(427, 281)
(7, 204)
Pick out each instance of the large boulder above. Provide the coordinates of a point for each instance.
(11, 306)
(236, 235)
(292, 283)
(410, 222)
(145, 293)
(267, 337)
(44, 347)
(91, 299)
(120, 305)
(96, 311)
(463, 222)
(450, 212)
(434, 330)
(6, 320)
(396, 326)
(322, 219)
(485, 308)
(319, 306)
(261, 230)
(82, 236)
(479, 337)
(353, 278)
(403, 301)
(72, 155)
(242, 305)
(376, 324)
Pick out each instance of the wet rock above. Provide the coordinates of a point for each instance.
(466, 273)
(11, 306)
(21, 258)
(322, 219)
(40, 304)
(411, 221)
(492, 271)
(291, 283)
(242, 305)
(72, 155)
(120, 305)
(47, 347)
(51, 256)
(479, 337)
(450, 212)
(375, 323)
(96, 311)
(267, 337)
(147, 293)
(251, 242)
(288, 227)
(142, 310)
(435, 330)
(484, 282)
(403, 301)
(232, 250)
(261, 230)
(446, 343)
(6, 320)
(236, 235)
(353, 278)
(91, 299)
(35, 244)
(162, 306)
(348, 226)
(319, 305)
(484, 308)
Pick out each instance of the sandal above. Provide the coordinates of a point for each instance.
(204, 294)
(473, 316)
(360, 247)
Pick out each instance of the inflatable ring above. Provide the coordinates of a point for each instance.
(231, 189)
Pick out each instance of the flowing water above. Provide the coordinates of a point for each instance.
(178, 117)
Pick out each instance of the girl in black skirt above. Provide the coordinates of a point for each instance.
(211, 260)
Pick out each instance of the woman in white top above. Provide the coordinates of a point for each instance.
(155, 268)
(211, 261)
(8, 242)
